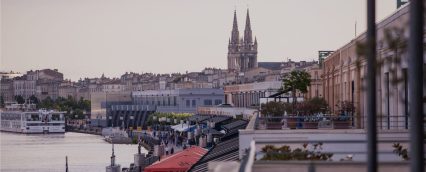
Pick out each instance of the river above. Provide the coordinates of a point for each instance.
(20, 152)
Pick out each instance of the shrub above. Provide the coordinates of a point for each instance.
(285, 153)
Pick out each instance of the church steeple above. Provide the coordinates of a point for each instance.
(235, 34)
(247, 31)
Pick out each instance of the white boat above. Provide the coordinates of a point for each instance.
(32, 121)
(116, 136)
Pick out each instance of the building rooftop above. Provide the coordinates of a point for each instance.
(180, 161)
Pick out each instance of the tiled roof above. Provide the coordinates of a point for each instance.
(224, 151)
(180, 161)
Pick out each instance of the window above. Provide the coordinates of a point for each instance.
(174, 101)
(208, 102)
(188, 103)
(194, 103)
(217, 102)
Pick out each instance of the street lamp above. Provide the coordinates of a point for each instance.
(110, 118)
(131, 119)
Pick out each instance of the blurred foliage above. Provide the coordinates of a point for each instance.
(285, 153)
(75, 109)
(400, 151)
(154, 118)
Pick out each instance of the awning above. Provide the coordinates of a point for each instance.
(181, 161)
(182, 127)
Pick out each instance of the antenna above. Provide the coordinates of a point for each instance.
(355, 28)
(66, 163)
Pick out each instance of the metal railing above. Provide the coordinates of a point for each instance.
(383, 122)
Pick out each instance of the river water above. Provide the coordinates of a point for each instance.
(20, 152)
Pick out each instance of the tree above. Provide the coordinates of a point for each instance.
(19, 99)
(397, 44)
(47, 103)
(318, 104)
(34, 99)
(273, 108)
(296, 81)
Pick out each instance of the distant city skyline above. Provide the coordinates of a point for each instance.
(86, 38)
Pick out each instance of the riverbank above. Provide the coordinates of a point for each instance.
(94, 131)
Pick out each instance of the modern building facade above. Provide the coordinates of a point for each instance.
(179, 100)
(242, 53)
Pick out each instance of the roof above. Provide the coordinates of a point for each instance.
(270, 65)
(224, 151)
(212, 131)
(180, 161)
(198, 118)
(182, 127)
(218, 119)
(234, 125)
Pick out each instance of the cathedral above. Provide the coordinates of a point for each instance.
(242, 52)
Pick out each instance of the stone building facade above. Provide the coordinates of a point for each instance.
(345, 76)
(6, 89)
(249, 94)
(242, 53)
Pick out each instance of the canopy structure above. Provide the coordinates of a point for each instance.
(181, 161)
(182, 127)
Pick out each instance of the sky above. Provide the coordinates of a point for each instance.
(86, 38)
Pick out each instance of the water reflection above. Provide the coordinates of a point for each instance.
(85, 152)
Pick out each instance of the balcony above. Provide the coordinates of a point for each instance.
(338, 132)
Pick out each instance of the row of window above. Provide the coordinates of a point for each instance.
(169, 101)
(172, 101)
(9, 124)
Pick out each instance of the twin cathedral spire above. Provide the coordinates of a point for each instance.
(242, 52)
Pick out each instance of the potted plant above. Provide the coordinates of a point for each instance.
(343, 121)
(311, 121)
(290, 117)
(286, 153)
(309, 118)
(273, 112)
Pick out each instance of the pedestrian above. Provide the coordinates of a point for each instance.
(172, 150)
(167, 150)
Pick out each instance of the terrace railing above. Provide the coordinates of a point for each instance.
(384, 122)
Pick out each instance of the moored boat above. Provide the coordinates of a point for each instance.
(31, 121)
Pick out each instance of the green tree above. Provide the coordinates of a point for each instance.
(47, 103)
(34, 99)
(296, 80)
(19, 99)
(272, 108)
(318, 104)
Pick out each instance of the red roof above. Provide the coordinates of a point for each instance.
(178, 162)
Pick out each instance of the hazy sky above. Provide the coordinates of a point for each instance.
(85, 38)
